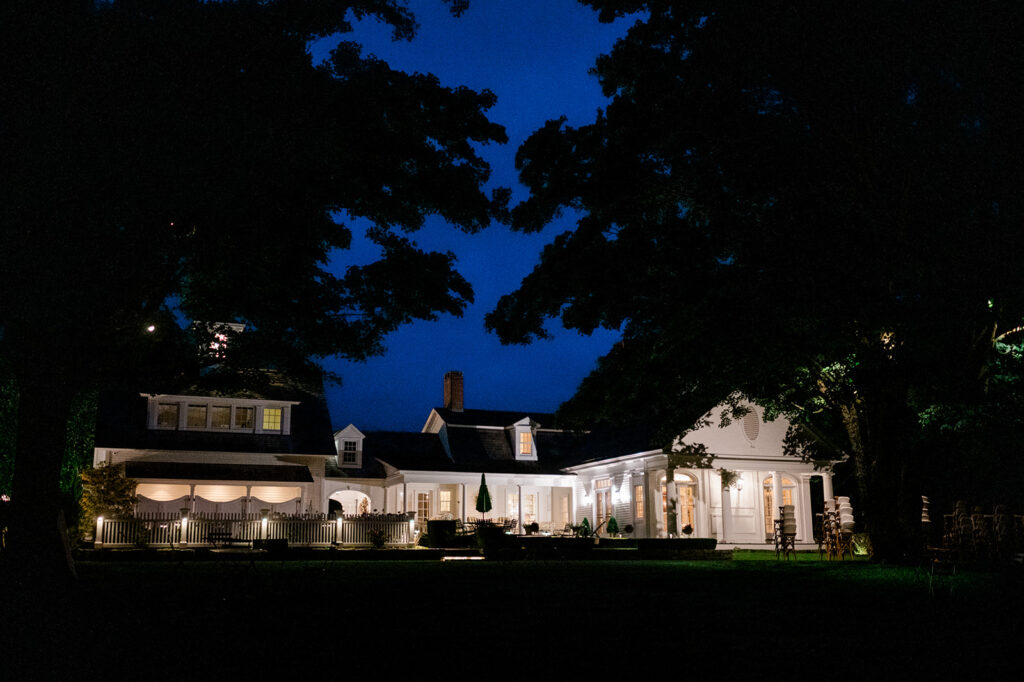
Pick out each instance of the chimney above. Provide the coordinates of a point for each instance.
(453, 391)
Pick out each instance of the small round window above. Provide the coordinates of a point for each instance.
(751, 424)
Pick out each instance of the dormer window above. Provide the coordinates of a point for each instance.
(240, 415)
(167, 415)
(271, 418)
(525, 443)
(220, 417)
(348, 452)
(243, 417)
(196, 417)
(349, 444)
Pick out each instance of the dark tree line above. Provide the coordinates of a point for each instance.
(816, 204)
(165, 160)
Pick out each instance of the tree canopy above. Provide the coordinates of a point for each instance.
(162, 161)
(814, 204)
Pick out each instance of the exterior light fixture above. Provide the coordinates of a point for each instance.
(151, 328)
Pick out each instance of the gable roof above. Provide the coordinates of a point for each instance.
(492, 417)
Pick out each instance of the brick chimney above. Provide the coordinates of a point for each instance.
(453, 391)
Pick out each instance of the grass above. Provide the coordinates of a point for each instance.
(382, 618)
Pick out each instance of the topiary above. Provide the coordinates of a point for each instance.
(613, 526)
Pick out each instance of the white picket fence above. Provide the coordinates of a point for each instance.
(167, 530)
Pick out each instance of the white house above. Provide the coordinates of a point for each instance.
(241, 454)
(539, 473)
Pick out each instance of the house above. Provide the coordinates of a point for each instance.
(209, 453)
(537, 472)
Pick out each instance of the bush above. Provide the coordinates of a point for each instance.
(613, 526)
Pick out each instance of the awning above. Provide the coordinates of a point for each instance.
(195, 471)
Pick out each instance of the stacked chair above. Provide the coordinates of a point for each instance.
(845, 544)
(785, 531)
(836, 530)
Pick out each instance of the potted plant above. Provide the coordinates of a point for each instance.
(687, 530)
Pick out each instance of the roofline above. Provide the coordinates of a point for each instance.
(613, 460)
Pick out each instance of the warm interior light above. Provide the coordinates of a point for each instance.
(162, 492)
(220, 493)
(276, 494)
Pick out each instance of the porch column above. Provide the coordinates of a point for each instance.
(192, 498)
(805, 518)
(671, 507)
(519, 498)
(650, 520)
(405, 498)
(726, 511)
(826, 486)
(247, 502)
(462, 510)
(776, 493)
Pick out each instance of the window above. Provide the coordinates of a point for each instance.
(196, 417)
(220, 417)
(525, 444)
(422, 506)
(565, 509)
(348, 452)
(445, 501)
(529, 508)
(272, 419)
(638, 499)
(167, 415)
(603, 493)
(243, 417)
(513, 505)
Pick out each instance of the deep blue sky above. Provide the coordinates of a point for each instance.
(534, 54)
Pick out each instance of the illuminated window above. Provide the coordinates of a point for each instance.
(513, 504)
(422, 506)
(348, 452)
(272, 419)
(638, 498)
(525, 444)
(445, 501)
(565, 509)
(529, 508)
(167, 415)
(196, 417)
(220, 417)
(243, 417)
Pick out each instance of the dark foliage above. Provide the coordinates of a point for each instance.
(186, 160)
(812, 204)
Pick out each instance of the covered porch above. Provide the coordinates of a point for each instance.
(520, 499)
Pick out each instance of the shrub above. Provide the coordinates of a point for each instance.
(613, 526)
(378, 537)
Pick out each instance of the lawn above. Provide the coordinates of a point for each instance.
(383, 619)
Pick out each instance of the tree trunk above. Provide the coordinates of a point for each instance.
(881, 432)
(37, 547)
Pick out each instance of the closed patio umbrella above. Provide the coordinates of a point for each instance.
(483, 498)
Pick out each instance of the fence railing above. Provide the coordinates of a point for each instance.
(174, 530)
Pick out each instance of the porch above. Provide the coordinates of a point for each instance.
(210, 530)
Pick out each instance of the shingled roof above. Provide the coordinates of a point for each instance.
(121, 423)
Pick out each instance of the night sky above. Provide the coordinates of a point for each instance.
(535, 55)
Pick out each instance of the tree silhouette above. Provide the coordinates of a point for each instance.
(814, 204)
(186, 160)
